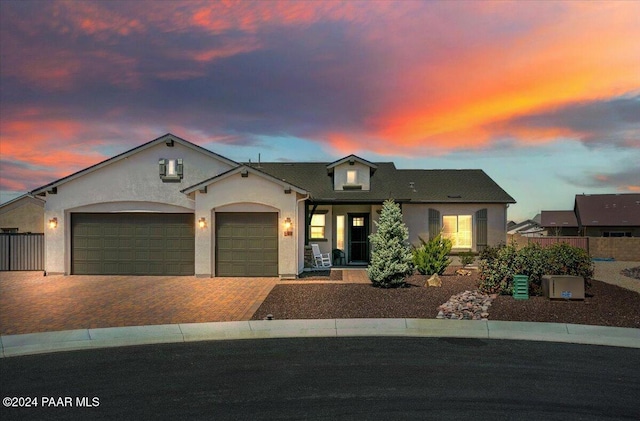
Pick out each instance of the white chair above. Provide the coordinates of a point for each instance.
(320, 260)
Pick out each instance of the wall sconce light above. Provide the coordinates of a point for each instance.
(53, 223)
(202, 223)
(288, 227)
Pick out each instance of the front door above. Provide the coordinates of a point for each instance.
(359, 238)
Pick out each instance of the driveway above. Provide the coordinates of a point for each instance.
(31, 302)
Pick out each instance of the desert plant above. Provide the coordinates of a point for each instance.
(497, 270)
(466, 257)
(490, 252)
(391, 258)
(432, 257)
(565, 259)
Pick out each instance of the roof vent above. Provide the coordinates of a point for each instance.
(454, 196)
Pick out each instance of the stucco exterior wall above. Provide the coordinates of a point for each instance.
(131, 184)
(246, 194)
(340, 175)
(24, 214)
(416, 217)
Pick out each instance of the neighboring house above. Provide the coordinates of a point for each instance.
(172, 207)
(527, 228)
(559, 223)
(24, 214)
(597, 215)
(608, 215)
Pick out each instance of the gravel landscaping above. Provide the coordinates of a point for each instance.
(604, 305)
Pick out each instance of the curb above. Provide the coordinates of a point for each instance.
(72, 340)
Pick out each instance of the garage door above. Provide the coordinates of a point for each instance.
(132, 244)
(247, 244)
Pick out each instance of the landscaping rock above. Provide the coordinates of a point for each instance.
(468, 305)
(434, 281)
(463, 272)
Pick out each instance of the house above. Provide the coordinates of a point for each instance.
(559, 223)
(608, 215)
(24, 214)
(597, 215)
(527, 228)
(172, 207)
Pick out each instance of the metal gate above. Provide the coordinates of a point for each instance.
(20, 251)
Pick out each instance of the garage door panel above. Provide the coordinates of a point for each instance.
(137, 244)
(241, 242)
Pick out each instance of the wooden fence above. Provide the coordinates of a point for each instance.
(21, 251)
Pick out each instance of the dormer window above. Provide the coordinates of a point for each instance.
(352, 177)
(171, 170)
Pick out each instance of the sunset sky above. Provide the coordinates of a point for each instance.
(543, 96)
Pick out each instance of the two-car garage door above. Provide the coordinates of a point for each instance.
(132, 243)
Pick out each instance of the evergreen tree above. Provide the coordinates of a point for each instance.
(391, 256)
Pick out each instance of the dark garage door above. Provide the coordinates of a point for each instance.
(247, 244)
(132, 243)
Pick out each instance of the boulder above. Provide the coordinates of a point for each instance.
(434, 281)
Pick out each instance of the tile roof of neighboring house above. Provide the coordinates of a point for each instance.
(418, 186)
(551, 219)
(608, 209)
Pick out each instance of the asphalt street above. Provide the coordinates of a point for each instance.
(379, 378)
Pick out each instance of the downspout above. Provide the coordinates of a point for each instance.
(298, 230)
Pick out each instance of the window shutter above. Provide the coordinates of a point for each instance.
(434, 223)
(179, 167)
(481, 230)
(163, 167)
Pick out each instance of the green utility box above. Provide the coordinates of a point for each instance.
(521, 287)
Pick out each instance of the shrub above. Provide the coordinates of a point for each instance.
(432, 256)
(497, 271)
(568, 260)
(391, 258)
(491, 252)
(466, 257)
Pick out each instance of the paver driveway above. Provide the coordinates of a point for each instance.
(31, 302)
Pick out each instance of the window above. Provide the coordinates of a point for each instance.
(457, 228)
(352, 176)
(171, 169)
(340, 232)
(317, 226)
(358, 221)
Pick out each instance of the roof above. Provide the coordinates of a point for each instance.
(608, 209)
(557, 218)
(16, 202)
(351, 159)
(167, 138)
(416, 186)
(245, 169)
(528, 226)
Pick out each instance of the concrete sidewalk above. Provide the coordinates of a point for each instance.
(69, 340)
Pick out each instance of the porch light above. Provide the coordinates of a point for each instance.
(288, 227)
(202, 223)
(53, 223)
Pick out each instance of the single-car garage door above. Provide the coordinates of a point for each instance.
(247, 244)
(132, 243)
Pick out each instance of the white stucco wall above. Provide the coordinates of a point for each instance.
(416, 217)
(340, 175)
(247, 194)
(131, 184)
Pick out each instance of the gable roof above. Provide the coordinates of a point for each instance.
(608, 209)
(416, 186)
(351, 159)
(551, 219)
(16, 202)
(167, 138)
(240, 169)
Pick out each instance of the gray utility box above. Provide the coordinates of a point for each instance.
(563, 287)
